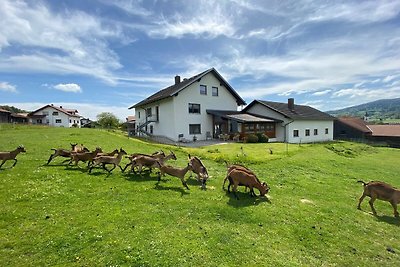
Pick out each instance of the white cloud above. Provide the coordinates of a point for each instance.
(68, 87)
(320, 93)
(70, 42)
(5, 86)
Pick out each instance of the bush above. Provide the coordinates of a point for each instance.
(262, 138)
(252, 138)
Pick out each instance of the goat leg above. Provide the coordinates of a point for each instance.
(112, 168)
(360, 200)
(15, 162)
(126, 166)
(2, 163)
(50, 159)
(394, 205)
(185, 185)
(371, 203)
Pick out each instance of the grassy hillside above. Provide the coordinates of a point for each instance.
(58, 215)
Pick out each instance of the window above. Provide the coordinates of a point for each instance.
(194, 108)
(194, 129)
(267, 127)
(45, 113)
(326, 130)
(151, 129)
(307, 132)
(139, 114)
(203, 89)
(214, 91)
(39, 121)
(148, 112)
(58, 120)
(70, 121)
(55, 113)
(295, 133)
(315, 131)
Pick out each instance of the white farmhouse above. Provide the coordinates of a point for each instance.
(55, 116)
(179, 111)
(299, 123)
(205, 106)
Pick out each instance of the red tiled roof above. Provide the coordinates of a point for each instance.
(356, 123)
(65, 111)
(131, 119)
(385, 130)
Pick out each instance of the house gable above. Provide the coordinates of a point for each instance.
(175, 89)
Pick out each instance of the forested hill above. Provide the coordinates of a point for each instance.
(380, 109)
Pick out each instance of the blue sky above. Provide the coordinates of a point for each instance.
(101, 55)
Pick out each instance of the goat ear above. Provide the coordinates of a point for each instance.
(189, 156)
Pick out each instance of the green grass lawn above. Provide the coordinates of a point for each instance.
(62, 216)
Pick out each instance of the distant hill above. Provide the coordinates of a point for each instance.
(13, 109)
(377, 110)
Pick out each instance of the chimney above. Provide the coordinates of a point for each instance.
(177, 79)
(60, 106)
(290, 103)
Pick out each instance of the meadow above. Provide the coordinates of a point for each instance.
(57, 215)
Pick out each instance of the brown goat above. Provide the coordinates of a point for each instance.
(4, 156)
(145, 161)
(382, 191)
(199, 169)
(232, 167)
(161, 157)
(85, 156)
(180, 173)
(61, 152)
(104, 160)
(239, 177)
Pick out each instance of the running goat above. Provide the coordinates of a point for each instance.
(4, 156)
(104, 160)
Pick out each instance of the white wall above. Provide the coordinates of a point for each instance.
(174, 111)
(300, 125)
(224, 101)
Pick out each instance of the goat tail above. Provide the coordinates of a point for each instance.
(53, 149)
(226, 164)
(364, 183)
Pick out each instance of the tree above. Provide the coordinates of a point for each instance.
(107, 120)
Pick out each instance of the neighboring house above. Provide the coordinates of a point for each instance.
(351, 128)
(131, 125)
(293, 123)
(5, 116)
(55, 116)
(388, 133)
(19, 118)
(179, 111)
(86, 123)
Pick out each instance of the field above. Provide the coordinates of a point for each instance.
(62, 216)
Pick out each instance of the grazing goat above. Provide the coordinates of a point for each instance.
(239, 177)
(180, 173)
(104, 160)
(85, 156)
(199, 169)
(235, 166)
(61, 152)
(4, 156)
(382, 191)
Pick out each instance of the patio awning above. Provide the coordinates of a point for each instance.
(241, 117)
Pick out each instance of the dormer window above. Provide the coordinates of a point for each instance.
(203, 89)
(55, 113)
